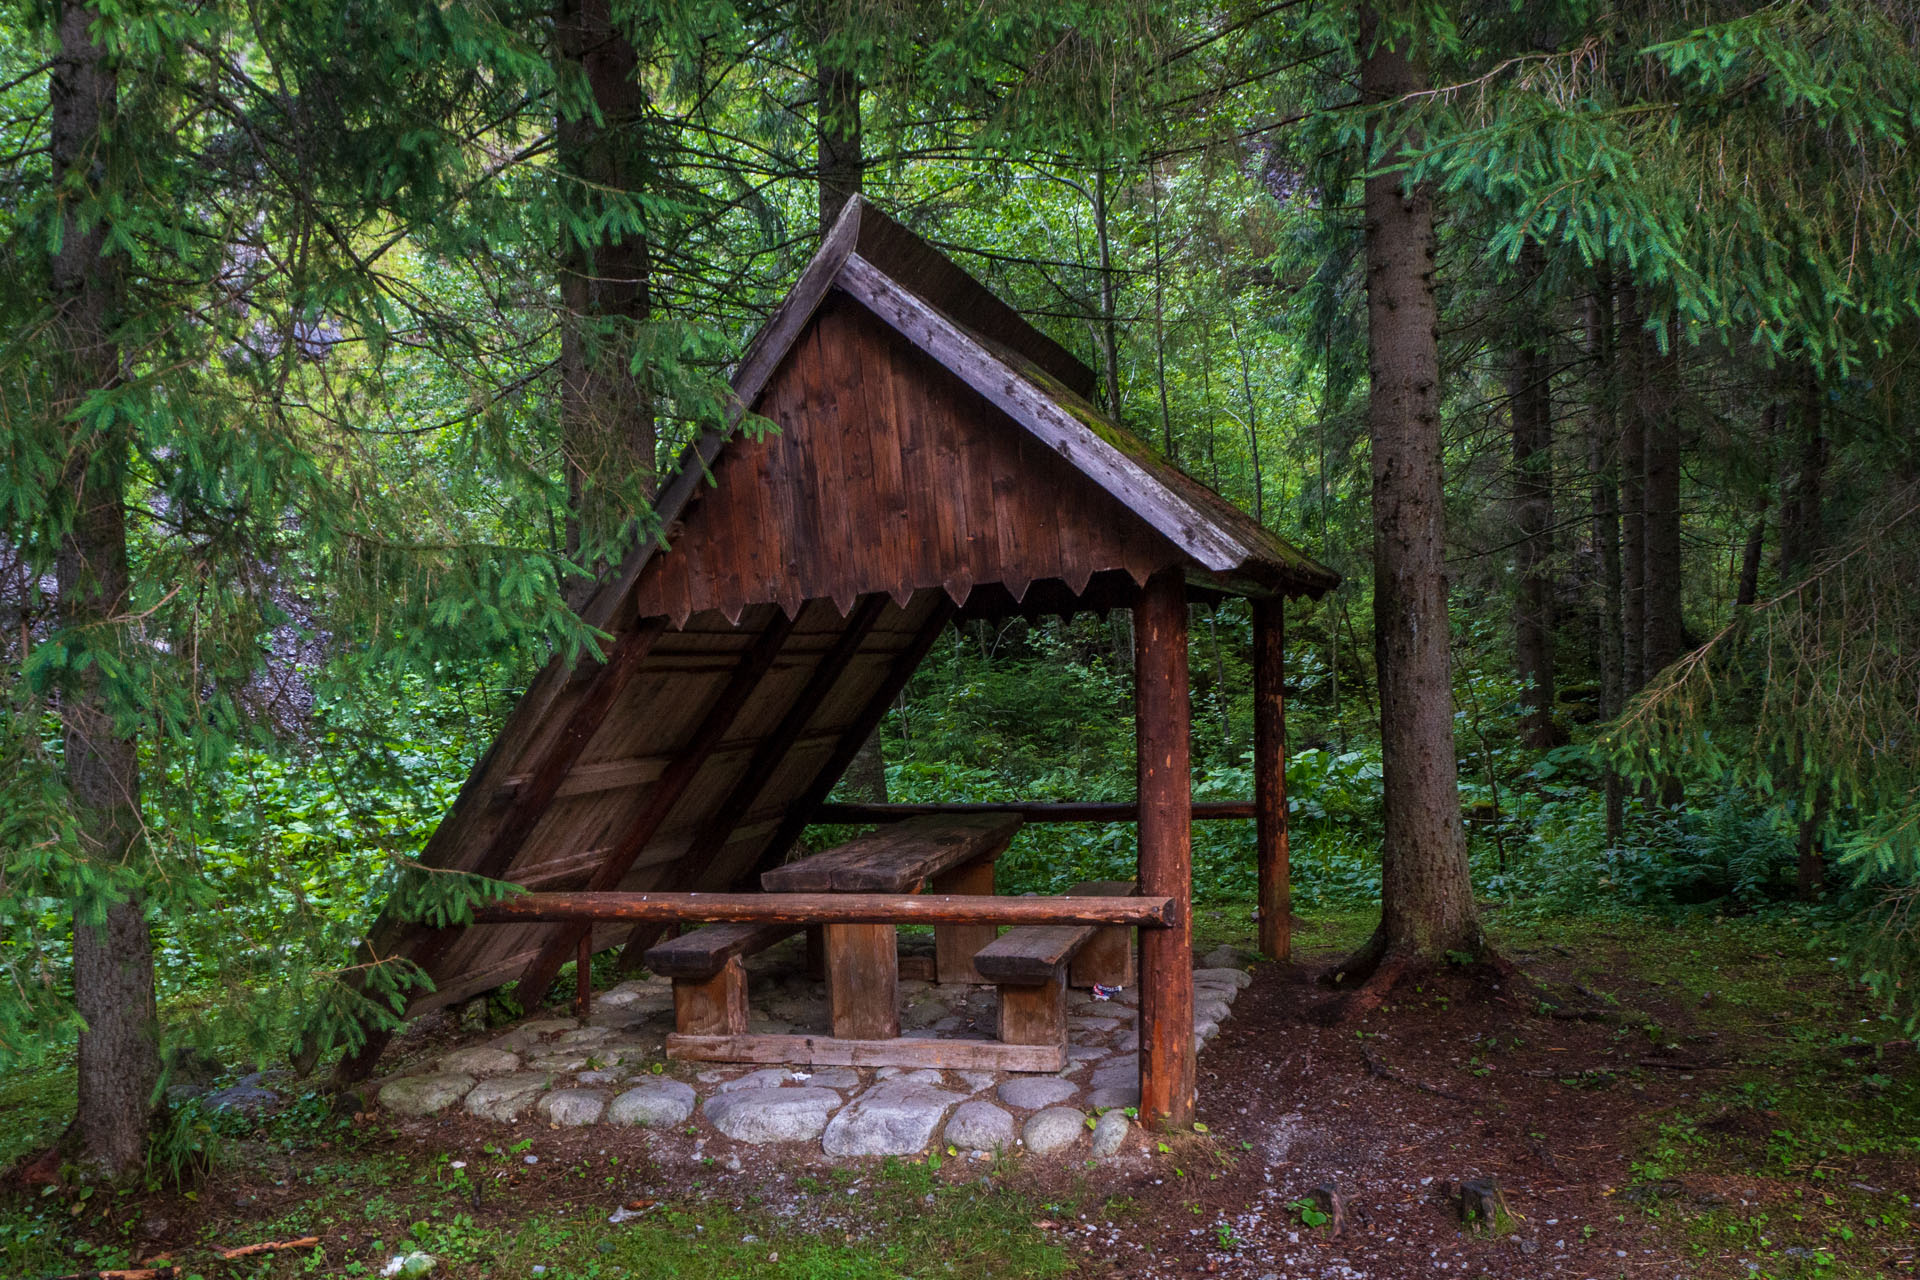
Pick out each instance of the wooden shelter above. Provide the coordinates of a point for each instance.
(937, 459)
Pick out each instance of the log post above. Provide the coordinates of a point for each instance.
(1270, 778)
(1161, 714)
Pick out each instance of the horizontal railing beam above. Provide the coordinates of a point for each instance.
(826, 908)
(1036, 811)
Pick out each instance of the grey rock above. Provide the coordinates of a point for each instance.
(771, 1115)
(1205, 1030)
(1086, 1022)
(242, 1097)
(1114, 1073)
(760, 1025)
(506, 1098)
(894, 1118)
(559, 1064)
(912, 1075)
(1110, 1134)
(1087, 1052)
(1227, 957)
(481, 1061)
(584, 1038)
(571, 1108)
(424, 1095)
(600, 1079)
(1211, 1011)
(655, 1104)
(975, 1081)
(1234, 977)
(1054, 1129)
(765, 1078)
(925, 1014)
(179, 1093)
(1128, 1043)
(549, 1026)
(1030, 1093)
(515, 1041)
(1114, 1096)
(954, 1023)
(980, 1126)
(832, 1078)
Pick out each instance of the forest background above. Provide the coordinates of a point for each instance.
(362, 330)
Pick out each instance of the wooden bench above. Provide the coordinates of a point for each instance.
(1034, 964)
(950, 854)
(710, 975)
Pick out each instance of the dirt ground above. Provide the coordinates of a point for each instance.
(1704, 1120)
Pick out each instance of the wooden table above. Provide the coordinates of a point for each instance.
(950, 854)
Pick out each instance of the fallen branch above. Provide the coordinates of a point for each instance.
(268, 1246)
(1387, 1073)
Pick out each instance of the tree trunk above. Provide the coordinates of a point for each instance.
(1530, 401)
(1747, 589)
(1602, 444)
(1655, 405)
(119, 1061)
(1802, 515)
(1633, 497)
(606, 411)
(1427, 907)
(840, 160)
(1109, 324)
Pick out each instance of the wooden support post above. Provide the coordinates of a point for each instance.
(1035, 1015)
(954, 944)
(1161, 715)
(1106, 960)
(1270, 778)
(863, 981)
(583, 976)
(715, 1006)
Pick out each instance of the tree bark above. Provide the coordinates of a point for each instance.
(1655, 405)
(1802, 516)
(606, 410)
(1427, 907)
(840, 160)
(1633, 496)
(1530, 401)
(1747, 588)
(119, 1059)
(1603, 465)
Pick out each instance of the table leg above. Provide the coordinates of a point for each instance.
(954, 945)
(863, 981)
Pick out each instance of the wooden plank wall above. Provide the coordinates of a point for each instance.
(888, 474)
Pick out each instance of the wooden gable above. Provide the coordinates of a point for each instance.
(887, 474)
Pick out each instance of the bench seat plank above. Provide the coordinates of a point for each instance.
(703, 952)
(898, 859)
(1030, 955)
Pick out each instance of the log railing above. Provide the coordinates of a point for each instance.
(827, 908)
(1035, 811)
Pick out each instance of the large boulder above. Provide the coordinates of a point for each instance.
(893, 1118)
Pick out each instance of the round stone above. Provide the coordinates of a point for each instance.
(830, 1078)
(1114, 1073)
(584, 1038)
(771, 1115)
(506, 1098)
(1054, 1129)
(1232, 977)
(765, 1078)
(242, 1097)
(600, 1079)
(1110, 1134)
(571, 1108)
(656, 1104)
(894, 1118)
(1030, 1093)
(980, 1126)
(1113, 1096)
(1209, 1011)
(424, 1095)
(481, 1060)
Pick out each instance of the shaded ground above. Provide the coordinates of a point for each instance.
(1736, 1112)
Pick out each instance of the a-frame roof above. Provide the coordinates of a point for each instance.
(936, 456)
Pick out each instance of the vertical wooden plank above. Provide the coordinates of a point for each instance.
(1035, 1015)
(954, 945)
(1038, 463)
(1270, 778)
(890, 514)
(836, 560)
(1161, 712)
(863, 981)
(1106, 960)
(715, 1006)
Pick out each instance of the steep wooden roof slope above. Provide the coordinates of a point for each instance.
(936, 456)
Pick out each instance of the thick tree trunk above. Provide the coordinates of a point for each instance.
(1530, 401)
(1633, 496)
(112, 946)
(840, 158)
(1655, 405)
(606, 411)
(1802, 515)
(1602, 445)
(1427, 907)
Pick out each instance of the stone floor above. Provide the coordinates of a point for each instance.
(612, 1071)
